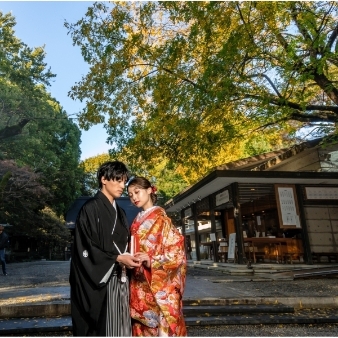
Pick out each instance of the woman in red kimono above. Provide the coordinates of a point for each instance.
(156, 288)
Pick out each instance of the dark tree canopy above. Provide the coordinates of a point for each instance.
(39, 143)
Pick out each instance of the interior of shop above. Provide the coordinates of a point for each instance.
(265, 240)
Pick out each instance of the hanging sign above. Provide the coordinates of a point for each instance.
(321, 193)
(287, 206)
(232, 246)
(187, 213)
(222, 198)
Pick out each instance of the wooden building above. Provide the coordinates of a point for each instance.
(280, 206)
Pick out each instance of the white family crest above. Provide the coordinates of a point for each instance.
(85, 253)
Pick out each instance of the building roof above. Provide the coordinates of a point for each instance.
(266, 168)
(269, 159)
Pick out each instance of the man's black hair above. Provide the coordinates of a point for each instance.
(112, 170)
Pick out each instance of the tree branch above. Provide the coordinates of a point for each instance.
(284, 103)
(269, 80)
(13, 130)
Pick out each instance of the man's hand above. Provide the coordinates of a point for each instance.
(129, 261)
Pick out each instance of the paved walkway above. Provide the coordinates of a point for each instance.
(41, 288)
(46, 281)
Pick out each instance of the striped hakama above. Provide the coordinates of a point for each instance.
(118, 322)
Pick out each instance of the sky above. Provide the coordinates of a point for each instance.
(41, 23)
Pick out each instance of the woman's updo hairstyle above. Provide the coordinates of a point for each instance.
(143, 183)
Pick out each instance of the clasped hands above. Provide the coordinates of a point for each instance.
(135, 261)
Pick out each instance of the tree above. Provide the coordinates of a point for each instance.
(22, 203)
(52, 235)
(34, 129)
(199, 80)
(168, 181)
(22, 195)
(89, 167)
(20, 67)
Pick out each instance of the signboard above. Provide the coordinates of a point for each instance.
(187, 213)
(321, 193)
(259, 222)
(222, 198)
(287, 206)
(232, 246)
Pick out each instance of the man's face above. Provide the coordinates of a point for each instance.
(114, 188)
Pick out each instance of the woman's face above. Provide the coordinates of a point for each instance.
(140, 197)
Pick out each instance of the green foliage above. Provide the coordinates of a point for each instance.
(51, 232)
(181, 78)
(4, 181)
(21, 64)
(201, 83)
(22, 195)
(39, 144)
(90, 167)
(164, 176)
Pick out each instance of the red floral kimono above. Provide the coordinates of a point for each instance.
(156, 293)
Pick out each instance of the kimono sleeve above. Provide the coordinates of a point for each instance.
(169, 260)
(168, 273)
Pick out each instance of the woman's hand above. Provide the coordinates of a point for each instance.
(129, 261)
(144, 258)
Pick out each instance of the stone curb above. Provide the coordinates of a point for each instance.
(62, 308)
(62, 324)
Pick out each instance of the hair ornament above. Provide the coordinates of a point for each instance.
(153, 189)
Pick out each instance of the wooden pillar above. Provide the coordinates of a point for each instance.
(213, 226)
(223, 224)
(183, 232)
(197, 240)
(305, 234)
(183, 222)
(238, 224)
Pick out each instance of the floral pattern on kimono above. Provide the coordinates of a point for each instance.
(156, 293)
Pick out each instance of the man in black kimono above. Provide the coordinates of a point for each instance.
(98, 279)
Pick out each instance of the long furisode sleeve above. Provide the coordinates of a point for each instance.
(168, 273)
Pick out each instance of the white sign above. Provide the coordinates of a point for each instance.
(321, 193)
(287, 206)
(232, 245)
(188, 212)
(222, 198)
(204, 226)
(259, 220)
